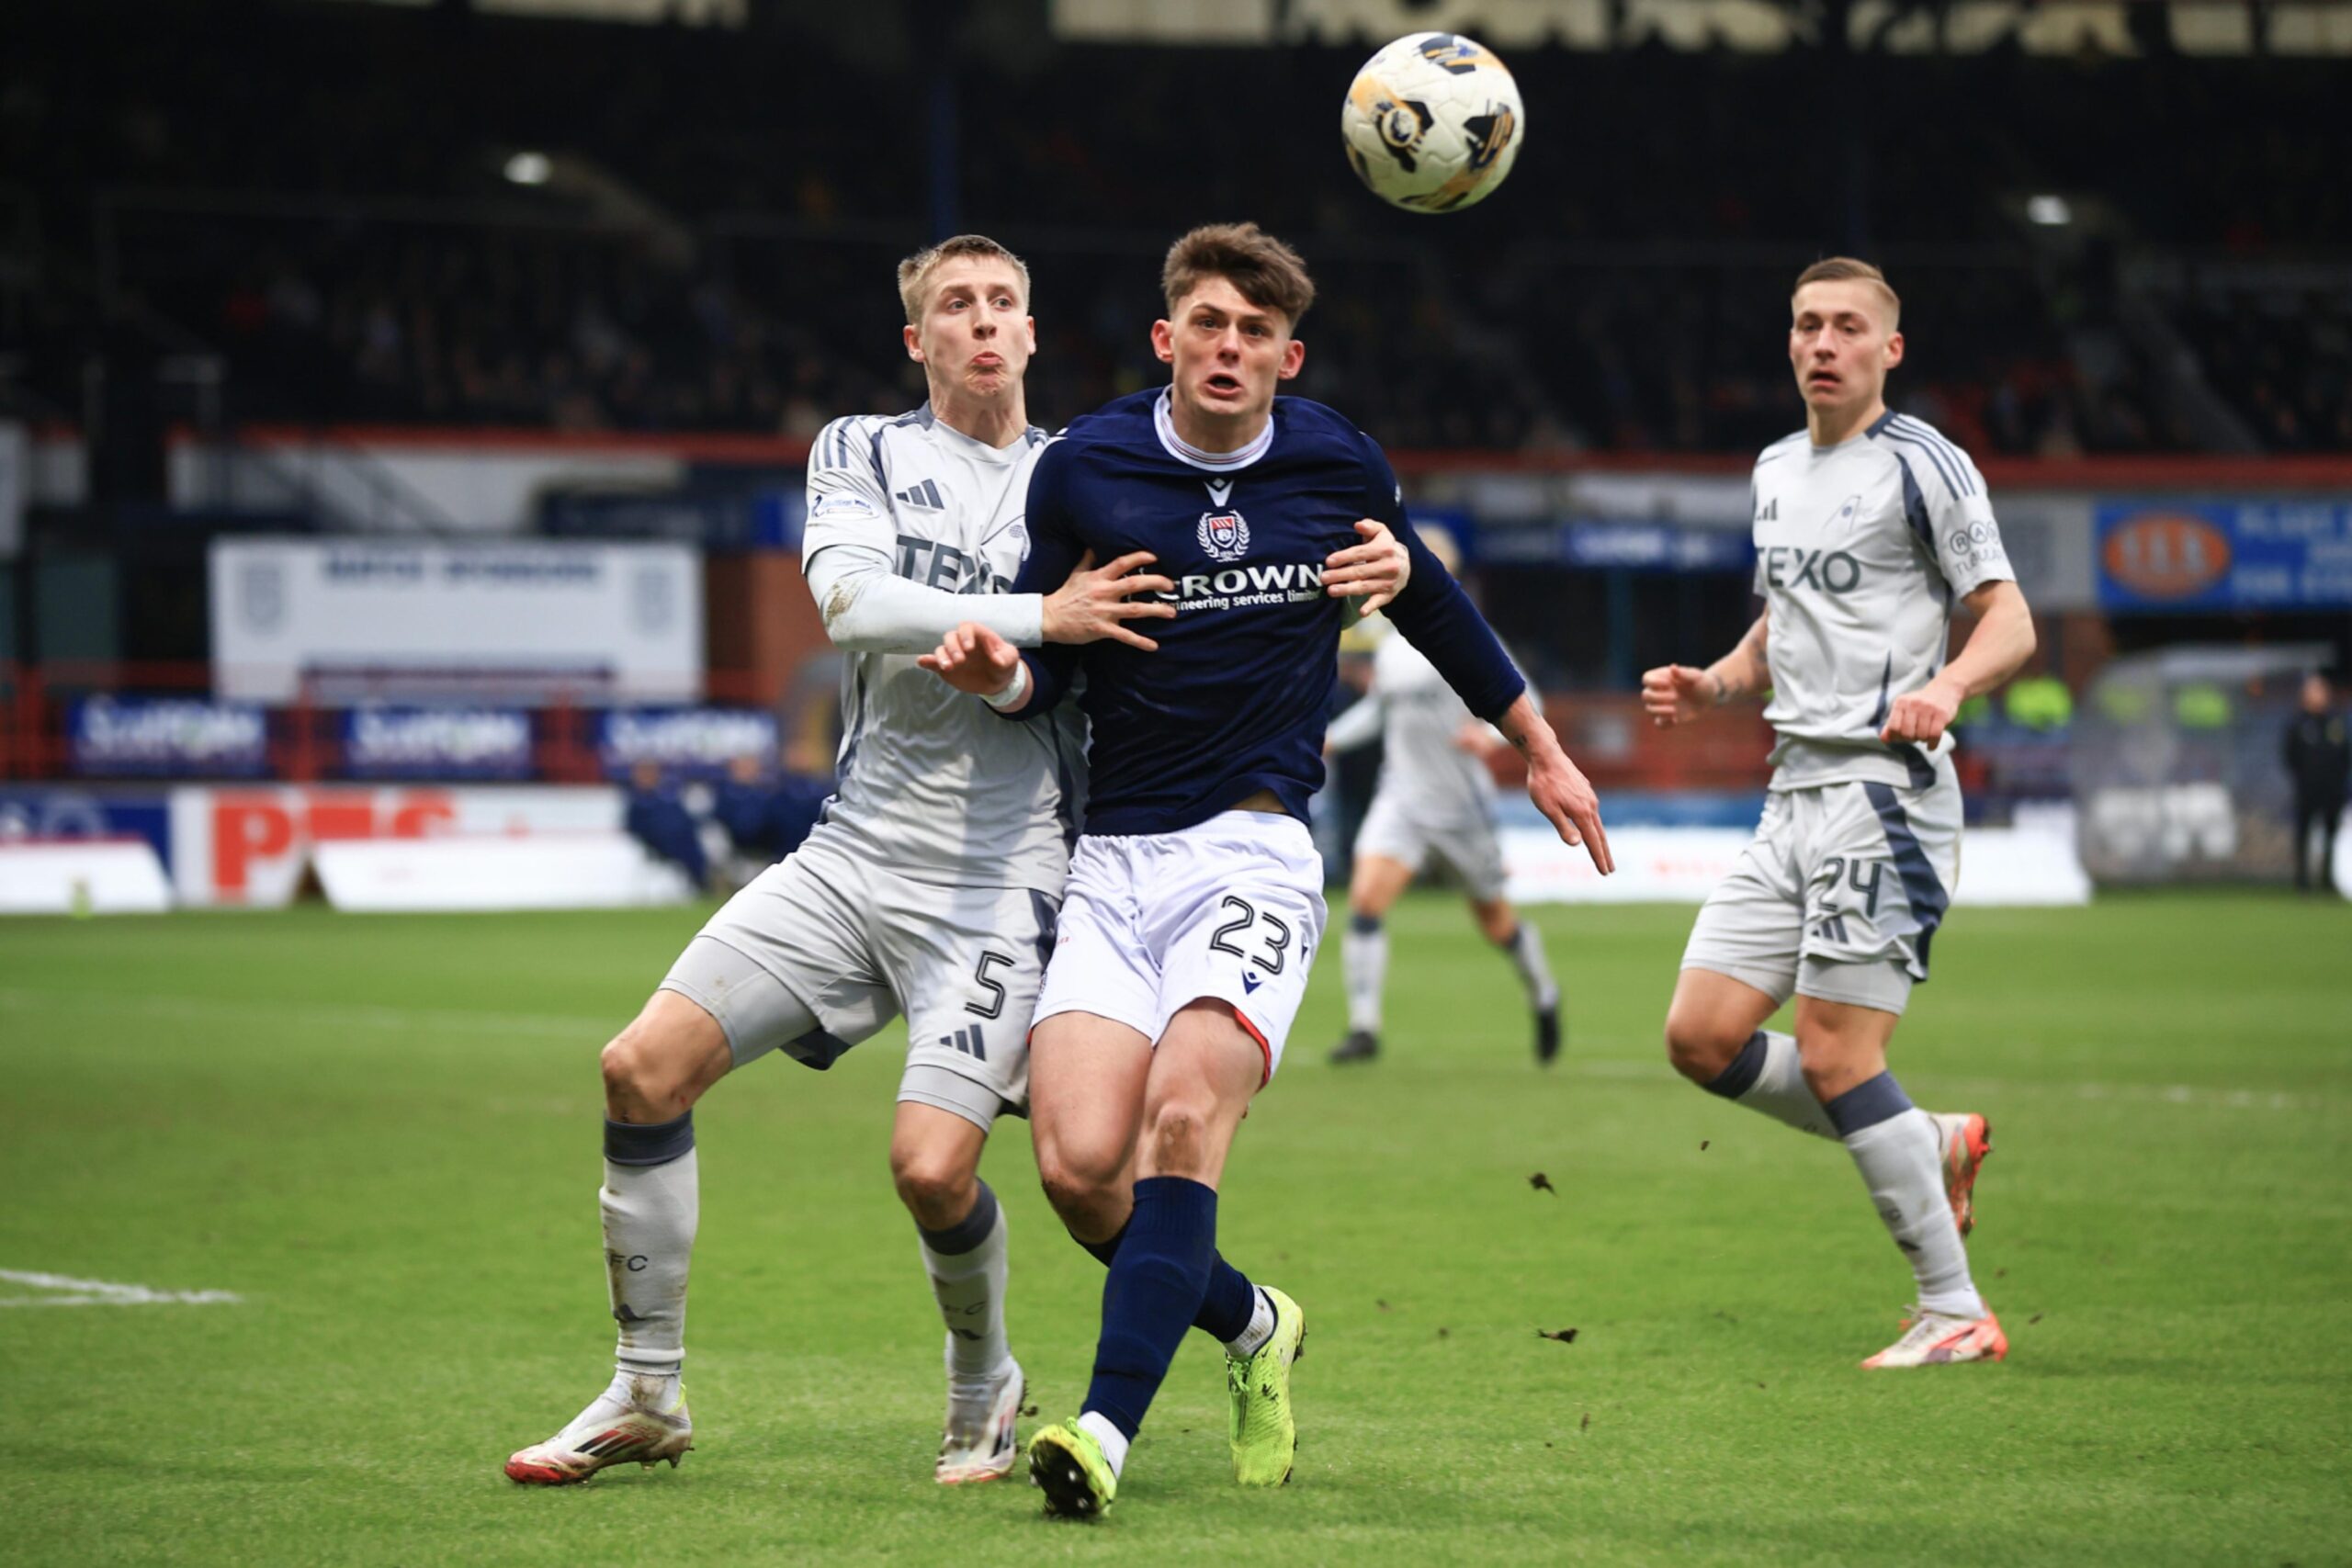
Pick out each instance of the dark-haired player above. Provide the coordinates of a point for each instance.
(1195, 902)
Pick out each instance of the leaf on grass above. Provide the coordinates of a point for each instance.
(1442, 1333)
(2000, 1273)
(1565, 1335)
(2035, 1318)
(1029, 1410)
(1543, 1183)
(1382, 1306)
(1585, 1425)
(1703, 1145)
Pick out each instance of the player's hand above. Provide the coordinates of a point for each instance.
(1561, 792)
(974, 659)
(1374, 571)
(1096, 604)
(1922, 715)
(1676, 693)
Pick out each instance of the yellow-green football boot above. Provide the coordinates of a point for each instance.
(1069, 1466)
(1260, 1427)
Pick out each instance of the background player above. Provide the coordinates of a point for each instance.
(1867, 525)
(928, 888)
(1195, 896)
(1437, 796)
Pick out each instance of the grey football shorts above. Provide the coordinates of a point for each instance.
(1465, 843)
(1838, 894)
(822, 950)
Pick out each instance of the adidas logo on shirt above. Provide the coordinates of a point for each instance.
(1771, 513)
(923, 497)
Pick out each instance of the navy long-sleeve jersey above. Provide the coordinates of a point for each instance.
(1236, 699)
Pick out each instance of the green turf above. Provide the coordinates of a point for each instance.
(382, 1133)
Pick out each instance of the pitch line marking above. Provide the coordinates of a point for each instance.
(66, 1292)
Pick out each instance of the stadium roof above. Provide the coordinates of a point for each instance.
(2110, 27)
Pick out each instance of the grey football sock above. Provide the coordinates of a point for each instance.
(651, 1203)
(1767, 1076)
(1363, 959)
(1894, 1146)
(967, 1266)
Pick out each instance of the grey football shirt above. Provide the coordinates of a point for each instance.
(1860, 550)
(1419, 720)
(935, 784)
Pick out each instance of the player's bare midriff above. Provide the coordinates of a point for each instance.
(1262, 800)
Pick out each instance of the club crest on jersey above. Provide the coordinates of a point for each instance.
(1224, 536)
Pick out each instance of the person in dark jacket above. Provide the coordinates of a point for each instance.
(660, 820)
(2319, 760)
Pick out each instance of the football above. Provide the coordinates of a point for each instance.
(1433, 122)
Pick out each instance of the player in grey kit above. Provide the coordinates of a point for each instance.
(1435, 798)
(1868, 525)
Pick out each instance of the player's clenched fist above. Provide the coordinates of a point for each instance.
(974, 659)
(1921, 715)
(1676, 693)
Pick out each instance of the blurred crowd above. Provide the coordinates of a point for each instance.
(318, 192)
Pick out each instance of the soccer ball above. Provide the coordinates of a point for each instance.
(1433, 122)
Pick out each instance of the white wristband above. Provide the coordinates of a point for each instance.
(1012, 695)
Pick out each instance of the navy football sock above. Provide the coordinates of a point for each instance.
(1152, 1295)
(1227, 1308)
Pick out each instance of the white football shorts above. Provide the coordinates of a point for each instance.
(1465, 843)
(1230, 909)
(1838, 894)
(822, 950)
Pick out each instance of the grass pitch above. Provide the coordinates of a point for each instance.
(383, 1134)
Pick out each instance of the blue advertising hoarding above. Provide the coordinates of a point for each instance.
(387, 742)
(2174, 556)
(1599, 544)
(694, 742)
(173, 737)
(42, 812)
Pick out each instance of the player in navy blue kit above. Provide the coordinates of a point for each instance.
(1195, 902)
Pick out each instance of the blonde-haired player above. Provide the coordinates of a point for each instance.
(1868, 525)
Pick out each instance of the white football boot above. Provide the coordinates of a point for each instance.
(1937, 1339)
(639, 1418)
(979, 1443)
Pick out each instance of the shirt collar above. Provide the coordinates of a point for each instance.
(1183, 451)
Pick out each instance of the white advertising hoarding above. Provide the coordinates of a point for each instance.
(592, 623)
(249, 846)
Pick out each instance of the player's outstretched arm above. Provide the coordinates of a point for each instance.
(1555, 784)
(974, 659)
(1676, 693)
(1371, 573)
(1997, 649)
(1096, 602)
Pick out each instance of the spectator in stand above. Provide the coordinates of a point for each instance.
(2319, 760)
(660, 820)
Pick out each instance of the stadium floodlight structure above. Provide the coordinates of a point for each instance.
(2176, 765)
